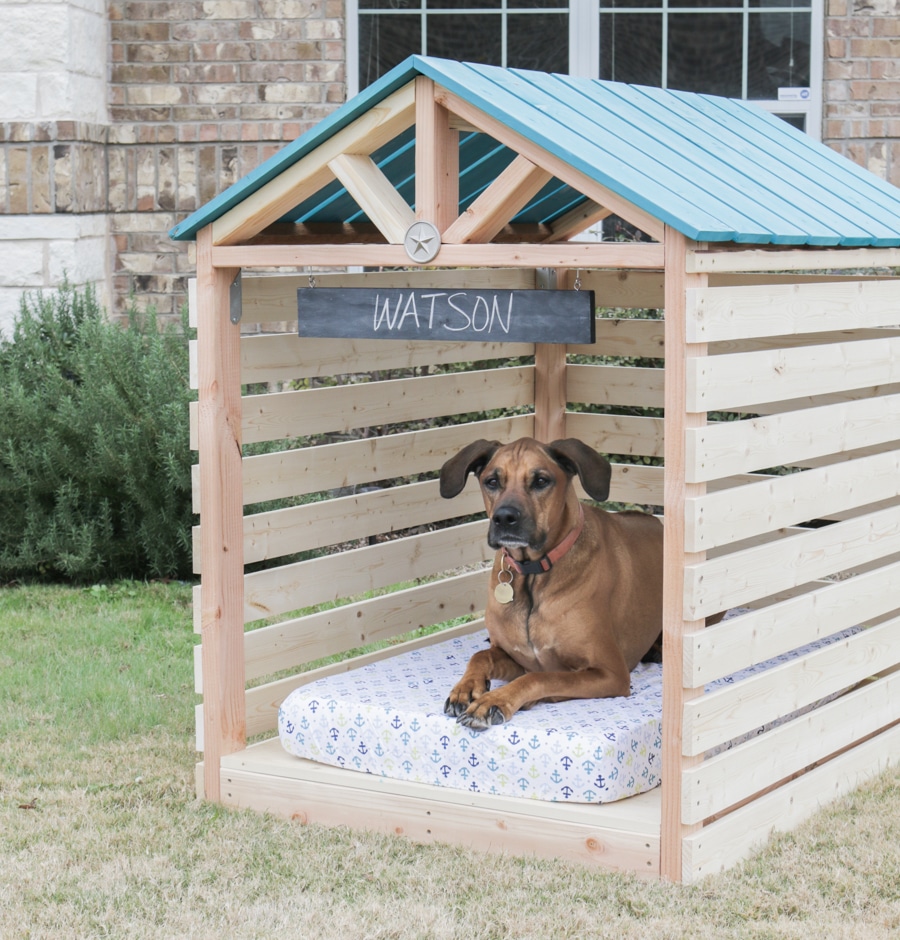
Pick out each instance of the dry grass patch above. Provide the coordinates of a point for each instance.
(101, 835)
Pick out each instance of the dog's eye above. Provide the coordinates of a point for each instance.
(541, 482)
(491, 483)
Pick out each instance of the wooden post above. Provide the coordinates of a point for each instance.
(550, 393)
(221, 516)
(675, 627)
(437, 159)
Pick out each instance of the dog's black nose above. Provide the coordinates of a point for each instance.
(507, 516)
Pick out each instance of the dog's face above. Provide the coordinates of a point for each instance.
(524, 491)
(525, 485)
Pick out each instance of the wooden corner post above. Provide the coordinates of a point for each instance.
(221, 516)
(675, 624)
(550, 392)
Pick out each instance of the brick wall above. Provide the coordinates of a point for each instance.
(201, 92)
(861, 112)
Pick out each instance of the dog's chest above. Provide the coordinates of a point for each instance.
(527, 639)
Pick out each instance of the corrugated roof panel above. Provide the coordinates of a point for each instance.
(715, 169)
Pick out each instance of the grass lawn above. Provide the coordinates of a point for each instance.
(101, 834)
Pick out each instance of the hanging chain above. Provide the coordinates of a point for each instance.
(577, 284)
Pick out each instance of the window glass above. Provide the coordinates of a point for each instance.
(385, 41)
(778, 53)
(631, 47)
(705, 53)
(452, 36)
(538, 41)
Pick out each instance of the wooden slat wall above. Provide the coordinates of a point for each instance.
(817, 364)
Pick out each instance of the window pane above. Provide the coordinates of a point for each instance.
(778, 53)
(466, 37)
(631, 48)
(389, 5)
(538, 41)
(462, 4)
(705, 53)
(699, 4)
(385, 41)
(615, 4)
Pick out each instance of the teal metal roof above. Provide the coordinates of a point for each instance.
(715, 169)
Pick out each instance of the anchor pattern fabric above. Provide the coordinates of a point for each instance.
(386, 718)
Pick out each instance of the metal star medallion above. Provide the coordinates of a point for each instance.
(422, 241)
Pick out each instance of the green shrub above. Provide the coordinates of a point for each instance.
(94, 458)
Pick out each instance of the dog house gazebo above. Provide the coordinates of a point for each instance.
(770, 438)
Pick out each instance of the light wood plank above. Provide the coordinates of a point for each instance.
(283, 357)
(625, 337)
(510, 192)
(731, 447)
(731, 580)
(437, 159)
(615, 385)
(557, 167)
(270, 298)
(761, 259)
(353, 463)
(721, 844)
(305, 639)
(735, 775)
(357, 571)
(577, 220)
(374, 194)
(372, 404)
(280, 532)
(617, 434)
(626, 288)
(331, 796)
(747, 379)
(775, 502)
(763, 634)
(553, 255)
(678, 622)
(219, 443)
(729, 313)
(733, 710)
(378, 125)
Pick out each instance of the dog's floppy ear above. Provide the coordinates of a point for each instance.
(592, 468)
(471, 459)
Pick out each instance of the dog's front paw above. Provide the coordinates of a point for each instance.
(480, 719)
(463, 694)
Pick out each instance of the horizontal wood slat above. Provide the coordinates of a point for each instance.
(281, 357)
(711, 261)
(726, 841)
(282, 532)
(353, 463)
(736, 774)
(727, 313)
(763, 634)
(306, 639)
(733, 710)
(636, 339)
(777, 501)
(370, 404)
(742, 380)
(350, 573)
(617, 434)
(615, 385)
(733, 579)
(726, 448)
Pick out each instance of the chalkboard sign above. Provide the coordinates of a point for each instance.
(511, 316)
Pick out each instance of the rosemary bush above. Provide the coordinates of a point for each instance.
(94, 458)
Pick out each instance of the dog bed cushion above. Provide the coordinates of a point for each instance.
(386, 718)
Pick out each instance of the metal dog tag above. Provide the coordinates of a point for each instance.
(503, 592)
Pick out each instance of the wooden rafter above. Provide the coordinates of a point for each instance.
(309, 174)
(496, 205)
(374, 194)
(577, 220)
(437, 159)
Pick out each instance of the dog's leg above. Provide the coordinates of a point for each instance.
(497, 706)
(492, 663)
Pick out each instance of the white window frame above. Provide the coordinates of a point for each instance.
(584, 56)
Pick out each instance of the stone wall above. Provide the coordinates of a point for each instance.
(861, 108)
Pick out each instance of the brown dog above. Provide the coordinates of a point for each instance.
(575, 597)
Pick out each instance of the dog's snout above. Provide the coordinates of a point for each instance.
(507, 516)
